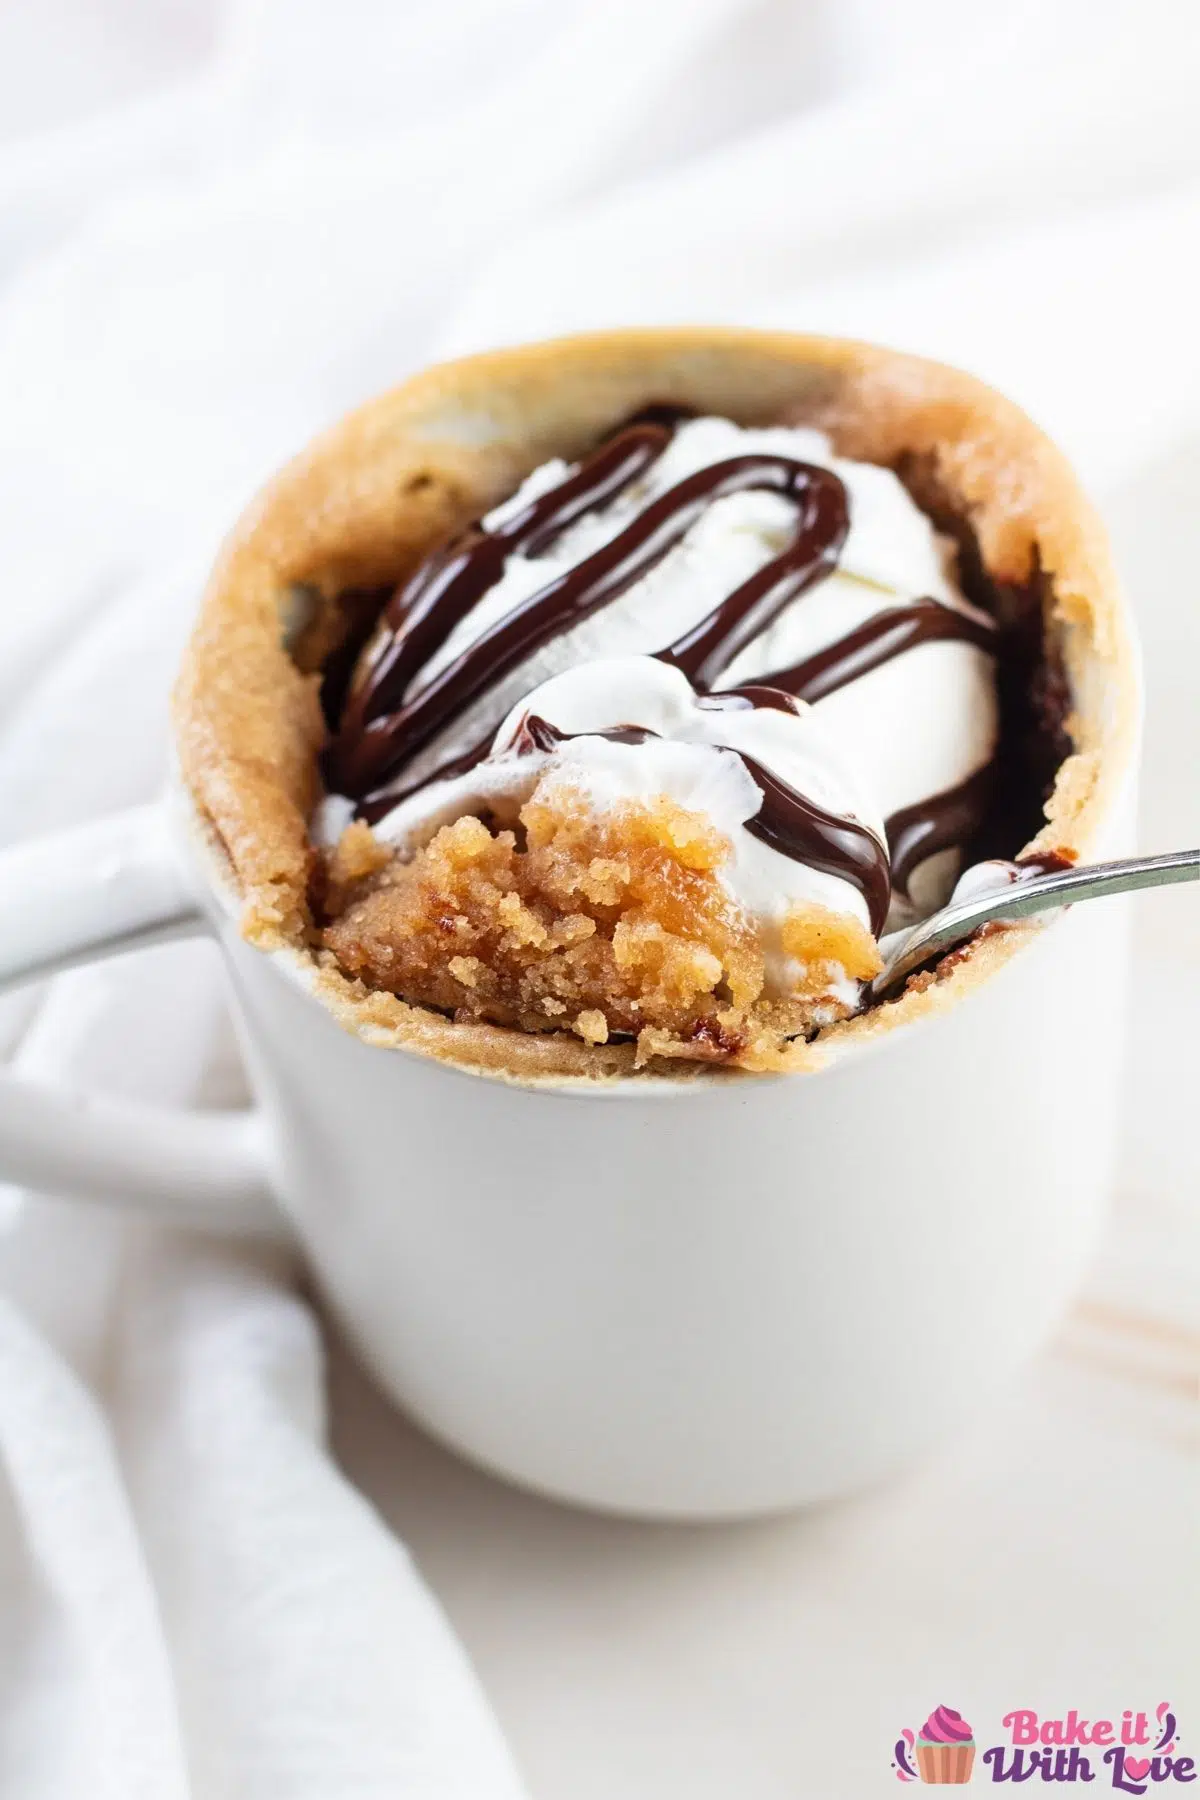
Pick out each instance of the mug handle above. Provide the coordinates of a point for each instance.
(100, 890)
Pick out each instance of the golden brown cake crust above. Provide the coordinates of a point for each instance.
(362, 506)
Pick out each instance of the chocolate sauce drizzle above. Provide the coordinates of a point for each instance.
(706, 651)
(797, 827)
(379, 730)
(383, 727)
(942, 822)
(889, 634)
(1042, 862)
(535, 733)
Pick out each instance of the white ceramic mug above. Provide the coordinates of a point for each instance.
(693, 1299)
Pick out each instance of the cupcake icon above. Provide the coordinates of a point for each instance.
(945, 1747)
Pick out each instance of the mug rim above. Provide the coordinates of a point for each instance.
(1089, 616)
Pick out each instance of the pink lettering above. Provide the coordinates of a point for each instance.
(1023, 1725)
(1102, 1731)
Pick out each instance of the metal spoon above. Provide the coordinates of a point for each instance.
(1041, 893)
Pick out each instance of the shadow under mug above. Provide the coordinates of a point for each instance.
(691, 1299)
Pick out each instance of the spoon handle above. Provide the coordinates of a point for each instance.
(1042, 893)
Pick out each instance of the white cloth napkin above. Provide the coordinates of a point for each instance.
(291, 206)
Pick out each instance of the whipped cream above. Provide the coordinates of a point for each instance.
(914, 727)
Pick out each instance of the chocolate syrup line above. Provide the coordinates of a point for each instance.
(376, 806)
(1042, 862)
(535, 733)
(421, 615)
(943, 822)
(745, 699)
(795, 826)
(877, 641)
(706, 651)
(367, 756)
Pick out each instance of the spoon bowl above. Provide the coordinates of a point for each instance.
(1023, 898)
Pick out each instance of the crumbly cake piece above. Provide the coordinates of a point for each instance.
(602, 924)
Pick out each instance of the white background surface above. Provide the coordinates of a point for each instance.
(218, 227)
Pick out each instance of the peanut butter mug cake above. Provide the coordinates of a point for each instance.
(571, 727)
(599, 707)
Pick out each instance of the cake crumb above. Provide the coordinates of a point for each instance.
(592, 1026)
